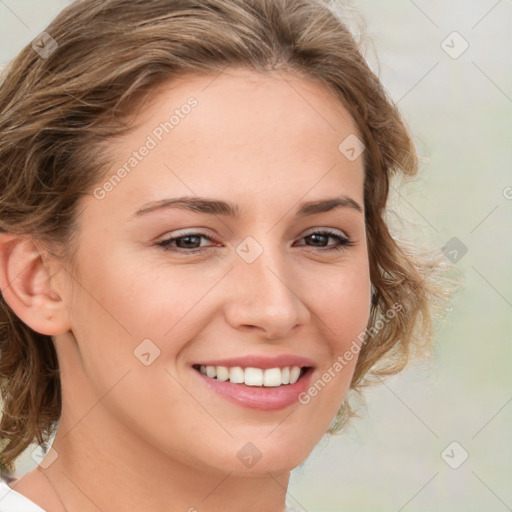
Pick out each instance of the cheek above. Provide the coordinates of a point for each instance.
(342, 305)
(350, 315)
(121, 312)
(126, 301)
(342, 301)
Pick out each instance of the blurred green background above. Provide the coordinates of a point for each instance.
(448, 66)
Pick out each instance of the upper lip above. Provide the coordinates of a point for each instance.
(260, 361)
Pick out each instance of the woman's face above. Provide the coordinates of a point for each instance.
(166, 287)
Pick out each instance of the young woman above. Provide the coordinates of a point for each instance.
(194, 261)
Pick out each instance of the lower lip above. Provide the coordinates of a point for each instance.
(259, 397)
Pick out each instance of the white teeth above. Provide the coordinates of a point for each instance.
(294, 374)
(222, 373)
(253, 377)
(236, 375)
(271, 377)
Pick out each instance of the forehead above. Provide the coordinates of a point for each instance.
(254, 98)
(239, 133)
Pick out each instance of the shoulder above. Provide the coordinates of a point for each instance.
(13, 501)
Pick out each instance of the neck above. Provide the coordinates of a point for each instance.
(90, 474)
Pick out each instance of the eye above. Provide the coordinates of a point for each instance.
(319, 237)
(190, 243)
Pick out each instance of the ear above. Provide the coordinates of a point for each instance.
(25, 282)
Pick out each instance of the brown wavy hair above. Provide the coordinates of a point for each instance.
(58, 110)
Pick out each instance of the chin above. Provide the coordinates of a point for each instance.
(252, 461)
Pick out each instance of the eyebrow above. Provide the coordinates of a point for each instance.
(218, 207)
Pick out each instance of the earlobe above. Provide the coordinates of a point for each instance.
(25, 282)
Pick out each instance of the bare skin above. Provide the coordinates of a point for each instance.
(135, 437)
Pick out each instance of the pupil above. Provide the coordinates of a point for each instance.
(187, 240)
(315, 237)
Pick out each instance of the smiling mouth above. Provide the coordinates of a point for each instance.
(251, 376)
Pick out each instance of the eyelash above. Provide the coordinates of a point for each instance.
(166, 244)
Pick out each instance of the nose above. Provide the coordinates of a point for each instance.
(263, 297)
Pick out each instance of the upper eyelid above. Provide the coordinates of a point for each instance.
(336, 231)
